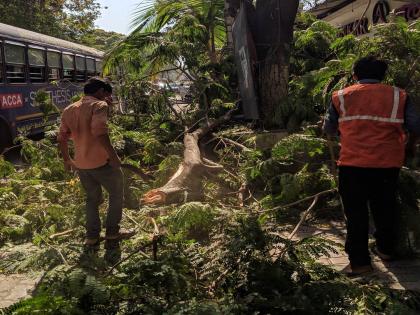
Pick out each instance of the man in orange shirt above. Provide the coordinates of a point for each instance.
(373, 120)
(97, 163)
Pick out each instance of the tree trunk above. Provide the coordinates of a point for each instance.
(273, 85)
(274, 32)
(187, 178)
(229, 19)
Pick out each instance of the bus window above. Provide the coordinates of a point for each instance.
(15, 63)
(98, 67)
(68, 67)
(80, 69)
(36, 60)
(90, 66)
(54, 65)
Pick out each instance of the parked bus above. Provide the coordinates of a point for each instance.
(31, 61)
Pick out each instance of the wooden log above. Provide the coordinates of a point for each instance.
(190, 172)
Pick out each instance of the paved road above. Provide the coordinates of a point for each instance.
(13, 288)
(401, 274)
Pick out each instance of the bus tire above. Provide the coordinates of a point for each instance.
(5, 137)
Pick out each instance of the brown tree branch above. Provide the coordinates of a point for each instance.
(190, 171)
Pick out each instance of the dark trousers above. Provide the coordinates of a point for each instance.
(361, 190)
(92, 181)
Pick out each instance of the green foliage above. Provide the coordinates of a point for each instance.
(6, 168)
(44, 305)
(142, 144)
(67, 19)
(314, 182)
(101, 39)
(321, 62)
(299, 148)
(311, 47)
(211, 257)
(407, 224)
(76, 284)
(289, 155)
(44, 102)
(287, 188)
(167, 168)
(295, 169)
(44, 159)
(76, 98)
(192, 220)
(181, 37)
(14, 227)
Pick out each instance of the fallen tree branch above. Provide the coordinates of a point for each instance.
(235, 144)
(137, 171)
(138, 250)
(241, 194)
(304, 216)
(171, 107)
(135, 222)
(64, 233)
(153, 243)
(213, 165)
(190, 172)
(302, 219)
(221, 276)
(56, 249)
(326, 192)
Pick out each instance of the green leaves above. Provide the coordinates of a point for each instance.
(6, 168)
(67, 19)
(192, 220)
(299, 147)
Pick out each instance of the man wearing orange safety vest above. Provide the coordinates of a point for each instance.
(372, 120)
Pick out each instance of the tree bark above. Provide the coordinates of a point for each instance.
(189, 174)
(273, 85)
(229, 14)
(274, 32)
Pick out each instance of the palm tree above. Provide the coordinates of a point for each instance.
(181, 33)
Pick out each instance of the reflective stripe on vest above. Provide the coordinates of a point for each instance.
(341, 98)
(391, 119)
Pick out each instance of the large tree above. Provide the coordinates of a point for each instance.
(67, 19)
(271, 26)
(101, 39)
(183, 33)
(190, 35)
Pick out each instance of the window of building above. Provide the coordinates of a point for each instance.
(90, 67)
(80, 69)
(54, 65)
(15, 62)
(68, 67)
(36, 60)
(98, 67)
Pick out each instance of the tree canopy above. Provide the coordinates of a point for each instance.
(66, 19)
(101, 39)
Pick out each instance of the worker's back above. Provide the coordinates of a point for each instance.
(84, 121)
(371, 118)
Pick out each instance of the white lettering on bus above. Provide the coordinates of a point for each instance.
(11, 101)
(59, 97)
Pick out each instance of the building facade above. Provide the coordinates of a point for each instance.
(356, 16)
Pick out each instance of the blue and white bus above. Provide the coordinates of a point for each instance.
(31, 61)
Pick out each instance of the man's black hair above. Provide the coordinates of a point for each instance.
(370, 68)
(93, 85)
